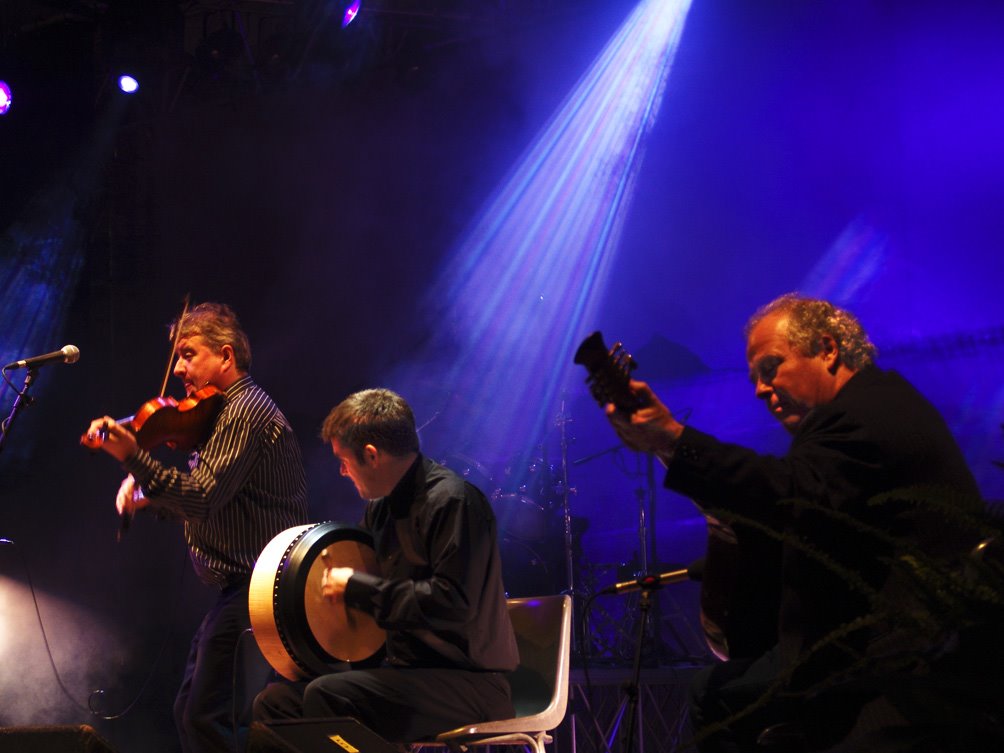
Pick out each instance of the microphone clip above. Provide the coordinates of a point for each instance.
(648, 582)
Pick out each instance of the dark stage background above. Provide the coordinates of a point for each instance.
(850, 150)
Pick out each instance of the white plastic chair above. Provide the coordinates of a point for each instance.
(543, 628)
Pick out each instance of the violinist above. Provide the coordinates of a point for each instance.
(245, 483)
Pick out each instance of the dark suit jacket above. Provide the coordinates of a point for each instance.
(879, 434)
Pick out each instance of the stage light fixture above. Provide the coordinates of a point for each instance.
(219, 50)
(6, 98)
(128, 84)
(351, 12)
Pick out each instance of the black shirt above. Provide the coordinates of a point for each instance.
(439, 594)
(877, 435)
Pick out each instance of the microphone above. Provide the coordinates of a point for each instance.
(67, 354)
(651, 582)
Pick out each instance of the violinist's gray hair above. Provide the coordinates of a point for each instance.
(218, 325)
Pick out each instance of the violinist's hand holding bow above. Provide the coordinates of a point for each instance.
(649, 428)
(112, 437)
(130, 497)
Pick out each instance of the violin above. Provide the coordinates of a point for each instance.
(164, 420)
(180, 425)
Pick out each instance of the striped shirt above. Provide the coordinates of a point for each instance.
(245, 485)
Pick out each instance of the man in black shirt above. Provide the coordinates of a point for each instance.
(245, 485)
(857, 432)
(438, 593)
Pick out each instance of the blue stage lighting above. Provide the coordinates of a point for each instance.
(351, 12)
(521, 290)
(6, 98)
(128, 84)
(41, 258)
(849, 266)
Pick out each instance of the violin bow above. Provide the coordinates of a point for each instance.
(176, 336)
(126, 517)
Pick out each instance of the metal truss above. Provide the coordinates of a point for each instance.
(597, 723)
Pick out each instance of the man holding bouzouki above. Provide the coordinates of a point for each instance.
(857, 432)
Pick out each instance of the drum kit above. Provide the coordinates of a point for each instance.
(525, 494)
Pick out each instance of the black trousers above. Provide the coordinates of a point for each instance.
(721, 691)
(224, 671)
(402, 705)
(734, 693)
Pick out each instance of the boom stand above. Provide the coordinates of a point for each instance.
(648, 561)
(631, 688)
(22, 400)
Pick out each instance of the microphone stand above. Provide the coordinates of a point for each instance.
(20, 402)
(650, 562)
(631, 687)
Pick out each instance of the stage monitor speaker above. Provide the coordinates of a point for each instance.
(340, 734)
(61, 738)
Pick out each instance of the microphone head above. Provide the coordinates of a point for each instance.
(71, 353)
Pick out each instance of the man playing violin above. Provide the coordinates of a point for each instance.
(245, 484)
(438, 592)
(857, 432)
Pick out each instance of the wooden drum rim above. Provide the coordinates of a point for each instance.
(278, 603)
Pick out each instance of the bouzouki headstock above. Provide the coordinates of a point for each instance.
(609, 372)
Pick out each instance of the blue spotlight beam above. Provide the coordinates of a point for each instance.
(41, 259)
(850, 265)
(523, 286)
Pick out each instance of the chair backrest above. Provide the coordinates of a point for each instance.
(543, 628)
